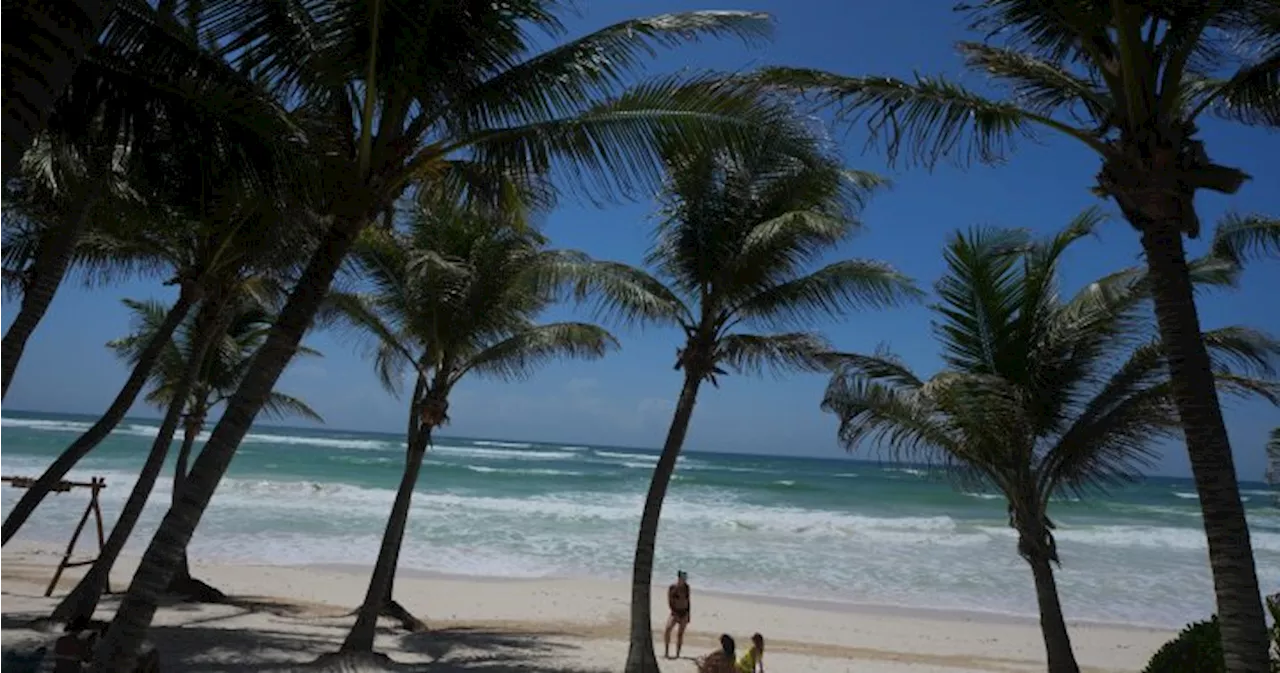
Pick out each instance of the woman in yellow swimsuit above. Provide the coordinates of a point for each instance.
(752, 660)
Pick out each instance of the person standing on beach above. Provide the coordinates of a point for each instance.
(678, 601)
(753, 660)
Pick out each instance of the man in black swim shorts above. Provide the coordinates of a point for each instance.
(678, 601)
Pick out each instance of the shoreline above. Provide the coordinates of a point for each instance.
(285, 616)
(830, 606)
(839, 607)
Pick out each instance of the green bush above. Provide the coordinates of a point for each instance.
(1198, 649)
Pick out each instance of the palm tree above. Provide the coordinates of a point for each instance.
(43, 47)
(1041, 394)
(456, 294)
(733, 252)
(198, 365)
(1130, 81)
(208, 225)
(146, 79)
(225, 365)
(412, 93)
(59, 193)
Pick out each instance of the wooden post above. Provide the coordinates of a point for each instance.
(95, 486)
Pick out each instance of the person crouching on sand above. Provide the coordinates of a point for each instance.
(678, 601)
(753, 660)
(720, 661)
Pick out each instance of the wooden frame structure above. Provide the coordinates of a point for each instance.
(95, 486)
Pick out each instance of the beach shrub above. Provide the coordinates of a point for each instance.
(1197, 649)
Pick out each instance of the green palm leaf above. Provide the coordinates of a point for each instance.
(834, 290)
(779, 353)
(1040, 393)
(595, 65)
(1041, 85)
(517, 356)
(1239, 238)
(280, 406)
(926, 119)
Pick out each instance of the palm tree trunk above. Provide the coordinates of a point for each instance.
(86, 442)
(1057, 643)
(190, 433)
(193, 425)
(360, 639)
(53, 258)
(118, 652)
(1235, 579)
(83, 600)
(641, 658)
(390, 606)
(43, 44)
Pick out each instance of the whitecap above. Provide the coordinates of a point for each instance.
(504, 445)
(37, 424)
(502, 454)
(531, 471)
(626, 456)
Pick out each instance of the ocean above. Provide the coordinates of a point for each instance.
(837, 530)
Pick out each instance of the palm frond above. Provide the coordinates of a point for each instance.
(280, 406)
(927, 119)
(1248, 387)
(1111, 437)
(518, 355)
(980, 296)
(777, 353)
(1055, 30)
(614, 146)
(1110, 449)
(360, 312)
(594, 66)
(898, 419)
(1241, 238)
(880, 366)
(147, 317)
(626, 294)
(1251, 96)
(1243, 351)
(1041, 85)
(834, 290)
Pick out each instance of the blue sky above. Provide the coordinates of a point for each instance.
(627, 398)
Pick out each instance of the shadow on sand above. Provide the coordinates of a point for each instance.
(284, 638)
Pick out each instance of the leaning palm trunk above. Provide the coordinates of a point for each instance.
(183, 584)
(393, 609)
(86, 442)
(641, 658)
(119, 649)
(83, 600)
(43, 44)
(1235, 578)
(390, 606)
(47, 271)
(360, 639)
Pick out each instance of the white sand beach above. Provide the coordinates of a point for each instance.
(281, 617)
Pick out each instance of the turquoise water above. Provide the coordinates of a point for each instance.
(838, 529)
